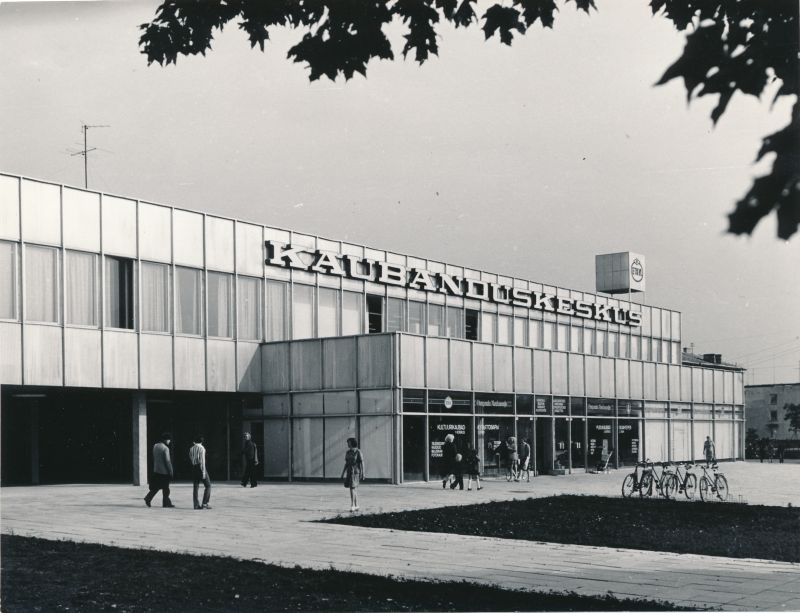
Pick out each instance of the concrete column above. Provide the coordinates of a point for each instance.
(139, 433)
(34, 442)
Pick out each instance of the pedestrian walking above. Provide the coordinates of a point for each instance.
(353, 471)
(513, 458)
(197, 456)
(449, 451)
(525, 459)
(781, 451)
(472, 464)
(250, 461)
(708, 451)
(162, 472)
(458, 473)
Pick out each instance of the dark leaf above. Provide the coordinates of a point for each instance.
(502, 19)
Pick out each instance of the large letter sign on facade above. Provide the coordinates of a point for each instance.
(364, 269)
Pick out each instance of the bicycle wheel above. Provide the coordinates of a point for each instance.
(646, 486)
(627, 486)
(669, 487)
(705, 487)
(722, 487)
(690, 486)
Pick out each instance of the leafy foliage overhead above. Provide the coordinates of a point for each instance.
(731, 46)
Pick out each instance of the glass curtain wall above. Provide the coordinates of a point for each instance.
(119, 293)
(352, 313)
(189, 301)
(42, 284)
(328, 312)
(302, 311)
(276, 311)
(82, 285)
(220, 305)
(156, 307)
(248, 308)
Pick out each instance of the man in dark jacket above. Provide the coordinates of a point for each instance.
(250, 461)
(162, 472)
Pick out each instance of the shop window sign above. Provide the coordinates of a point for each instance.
(449, 402)
(630, 408)
(494, 403)
(542, 405)
(598, 406)
(413, 401)
(560, 406)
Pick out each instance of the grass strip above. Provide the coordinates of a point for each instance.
(42, 575)
(717, 529)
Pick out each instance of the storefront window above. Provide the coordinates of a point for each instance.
(156, 297)
(544, 443)
(630, 408)
(492, 435)
(561, 440)
(578, 442)
(600, 441)
(494, 404)
(413, 401)
(440, 426)
(628, 441)
(600, 407)
(82, 288)
(449, 402)
(524, 404)
(413, 447)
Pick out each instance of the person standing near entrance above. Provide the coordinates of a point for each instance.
(250, 460)
(524, 459)
(197, 456)
(449, 452)
(708, 451)
(162, 472)
(472, 465)
(353, 471)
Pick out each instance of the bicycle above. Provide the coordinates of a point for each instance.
(716, 485)
(661, 482)
(633, 481)
(684, 481)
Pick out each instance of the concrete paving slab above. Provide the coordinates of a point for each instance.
(274, 523)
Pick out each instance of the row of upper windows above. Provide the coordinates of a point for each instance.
(192, 301)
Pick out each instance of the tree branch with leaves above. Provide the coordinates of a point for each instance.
(731, 46)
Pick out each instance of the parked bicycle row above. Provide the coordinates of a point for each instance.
(672, 479)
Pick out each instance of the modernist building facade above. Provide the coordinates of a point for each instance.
(121, 318)
(766, 409)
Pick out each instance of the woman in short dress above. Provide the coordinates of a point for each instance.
(353, 471)
(472, 467)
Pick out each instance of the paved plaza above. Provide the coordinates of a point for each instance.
(274, 523)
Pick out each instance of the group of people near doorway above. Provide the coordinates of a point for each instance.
(455, 465)
(163, 472)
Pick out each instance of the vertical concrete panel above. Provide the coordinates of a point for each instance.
(523, 375)
(219, 244)
(276, 448)
(42, 355)
(576, 387)
(674, 383)
(436, 356)
(82, 358)
(156, 361)
(155, 232)
(339, 363)
(375, 361)
(190, 363)
(248, 366)
(412, 361)
(636, 380)
(119, 226)
(592, 365)
(460, 365)
(482, 363)
(306, 365)
(622, 372)
(120, 360)
(221, 366)
(249, 249)
(503, 369)
(41, 212)
(607, 378)
(187, 236)
(558, 365)
(81, 211)
(686, 384)
(376, 435)
(541, 372)
(9, 207)
(649, 381)
(10, 353)
(275, 367)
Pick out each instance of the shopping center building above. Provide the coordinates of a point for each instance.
(120, 319)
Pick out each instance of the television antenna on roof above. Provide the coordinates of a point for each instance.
(86, 150)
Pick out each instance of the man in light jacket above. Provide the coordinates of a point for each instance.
(197, 456)
(162, 472)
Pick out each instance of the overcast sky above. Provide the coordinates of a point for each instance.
(524, 161)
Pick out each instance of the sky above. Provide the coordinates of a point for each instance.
(525, 160)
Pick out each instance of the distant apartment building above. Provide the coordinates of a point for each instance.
(765, 408)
